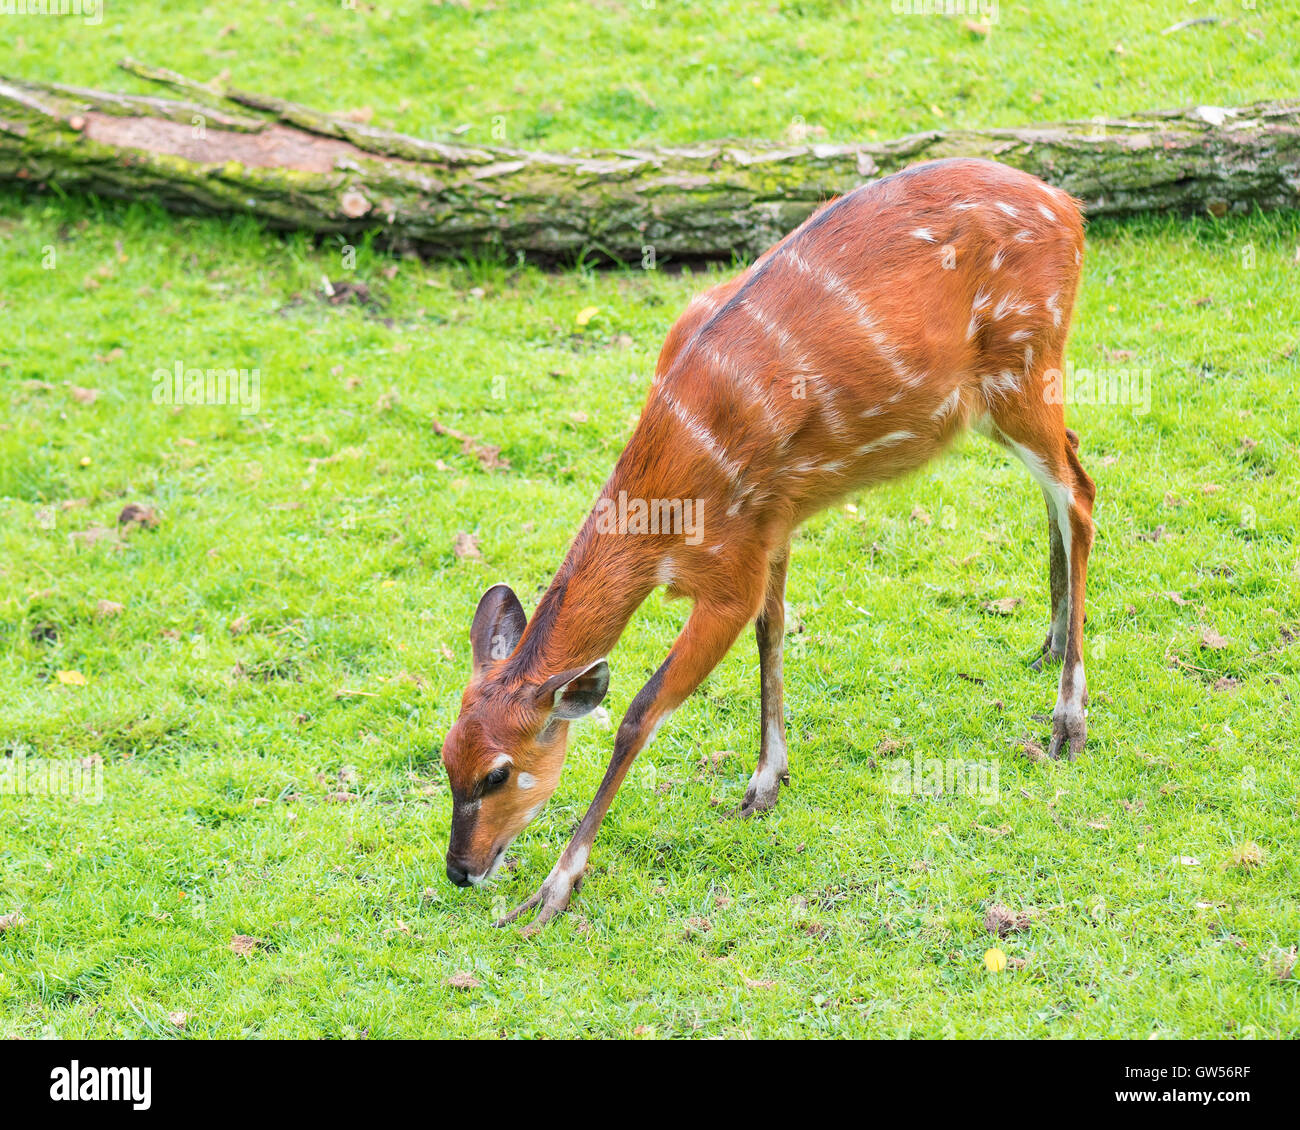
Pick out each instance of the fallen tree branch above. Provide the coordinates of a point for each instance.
(227, 151)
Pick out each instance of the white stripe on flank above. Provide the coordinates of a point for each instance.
(838, 289)
(704, 299)
(701, 434)
(884, 441)
(1046, 211)
(791, 356)
(744, 384)
(1006, 305)
(1004, 382)
(1008, 209)
(1054, 306)
(768, 325)
(949, 404)
(996, 261)
(1024, 235)
(925, 234)
(982, 298)
(831, 414)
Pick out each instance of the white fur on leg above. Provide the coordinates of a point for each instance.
(773, 768)
(1070, 699)
(1069, 717)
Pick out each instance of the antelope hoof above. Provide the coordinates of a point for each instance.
(763, 792)
(1069, 732)
(1046, 656)
(552, 897)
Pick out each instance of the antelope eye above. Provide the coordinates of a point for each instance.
(496, 777)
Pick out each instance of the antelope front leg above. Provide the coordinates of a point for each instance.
(1053, 649)
(707, 637)
(1069, 718)
(773, 761)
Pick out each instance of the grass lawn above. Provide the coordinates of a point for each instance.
(261, 680)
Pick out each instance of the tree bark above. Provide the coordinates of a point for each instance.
(231, 152)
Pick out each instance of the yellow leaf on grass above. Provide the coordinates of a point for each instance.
(995, 961)
(586, 314)
(71, 678)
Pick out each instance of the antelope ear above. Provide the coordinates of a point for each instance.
(499, 621)
(573, 694)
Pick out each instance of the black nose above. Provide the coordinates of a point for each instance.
(457, 874)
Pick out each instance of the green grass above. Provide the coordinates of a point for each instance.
(615, 72)
(307, 549)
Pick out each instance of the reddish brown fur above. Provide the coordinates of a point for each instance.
(851, 353)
